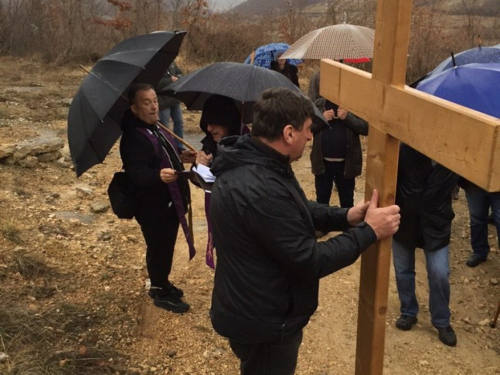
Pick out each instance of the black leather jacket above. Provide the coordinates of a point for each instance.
(268, 260)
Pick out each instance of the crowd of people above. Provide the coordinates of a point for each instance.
(269, 258)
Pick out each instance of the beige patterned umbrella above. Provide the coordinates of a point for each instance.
(337, 42)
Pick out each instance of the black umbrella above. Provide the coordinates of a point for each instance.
(242, 82)
(98, 107)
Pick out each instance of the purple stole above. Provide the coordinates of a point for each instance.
(209, 257)
(173, 187)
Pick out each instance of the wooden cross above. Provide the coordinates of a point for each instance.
(463, 140)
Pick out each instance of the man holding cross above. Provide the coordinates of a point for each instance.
(268, 260)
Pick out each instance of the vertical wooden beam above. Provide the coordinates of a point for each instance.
(382, 164)
(392, 37)
(392, 34)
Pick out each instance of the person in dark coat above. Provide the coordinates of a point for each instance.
(220, 118)
(424, 195)
(169, 106)
(336, 155)
(284, 67)
(161, 195)
(479, 202)
(268, 260)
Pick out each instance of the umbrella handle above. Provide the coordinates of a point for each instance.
(185, 143)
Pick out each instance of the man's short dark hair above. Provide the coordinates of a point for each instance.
(277, 108)
(135, 88)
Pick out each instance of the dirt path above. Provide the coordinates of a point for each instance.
(97, 265)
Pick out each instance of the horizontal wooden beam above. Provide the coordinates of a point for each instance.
(461, 139)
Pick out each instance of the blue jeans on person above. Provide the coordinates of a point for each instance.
(479, 202)
(176, 113)
(277, 358)
(334, 172)
(438, 271)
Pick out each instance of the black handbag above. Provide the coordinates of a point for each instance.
(121, 196)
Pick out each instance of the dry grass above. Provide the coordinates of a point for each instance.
(11, 231)
(50, 339)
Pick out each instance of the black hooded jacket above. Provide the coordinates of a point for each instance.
(424, 196)
(268, 260)
(219, 110)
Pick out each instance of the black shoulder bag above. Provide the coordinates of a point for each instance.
(121, 196)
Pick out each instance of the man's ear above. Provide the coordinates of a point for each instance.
(133, 108)
(288, 133)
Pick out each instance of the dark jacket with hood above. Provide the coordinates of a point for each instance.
(355, 127)
(268, 260)
(142, 165)
(424, 196)
(219, 110)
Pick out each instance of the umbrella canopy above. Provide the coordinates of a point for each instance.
(474, 86)
(264, 55)
(483, 55)
(98, 107)
(337, 42)
(242, 82)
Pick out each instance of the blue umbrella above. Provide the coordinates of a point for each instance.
(475, 86)
(483, 55)
(264, 55)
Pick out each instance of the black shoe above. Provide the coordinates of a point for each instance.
(447, 336)
(474, 260)
(171, 303)
(173, 290)
(405, 322)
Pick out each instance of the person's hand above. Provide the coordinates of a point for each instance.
(342, 113)
(357, 213)
(202, 158)
(168, 175)
(329, 115)
(383, 220)
(174, 78)
(188, 156)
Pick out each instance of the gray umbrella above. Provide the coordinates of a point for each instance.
(242, 82)
(97, 108)
(337, 42)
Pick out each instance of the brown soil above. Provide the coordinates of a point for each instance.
(96, 266)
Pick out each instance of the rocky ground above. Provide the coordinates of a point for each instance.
(73, 283)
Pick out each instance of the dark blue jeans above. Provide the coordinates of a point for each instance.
(334, 172)
(438, 272)
(479, 202)
(277, 358)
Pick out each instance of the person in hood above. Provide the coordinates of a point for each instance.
(268, 259)
(220, 118)
(151, 158)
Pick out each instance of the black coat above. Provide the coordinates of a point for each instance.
(424, 196)
(142, 165)
(268, 260)
(355, 127)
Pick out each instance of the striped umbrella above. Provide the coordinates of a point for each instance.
(337, 42)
